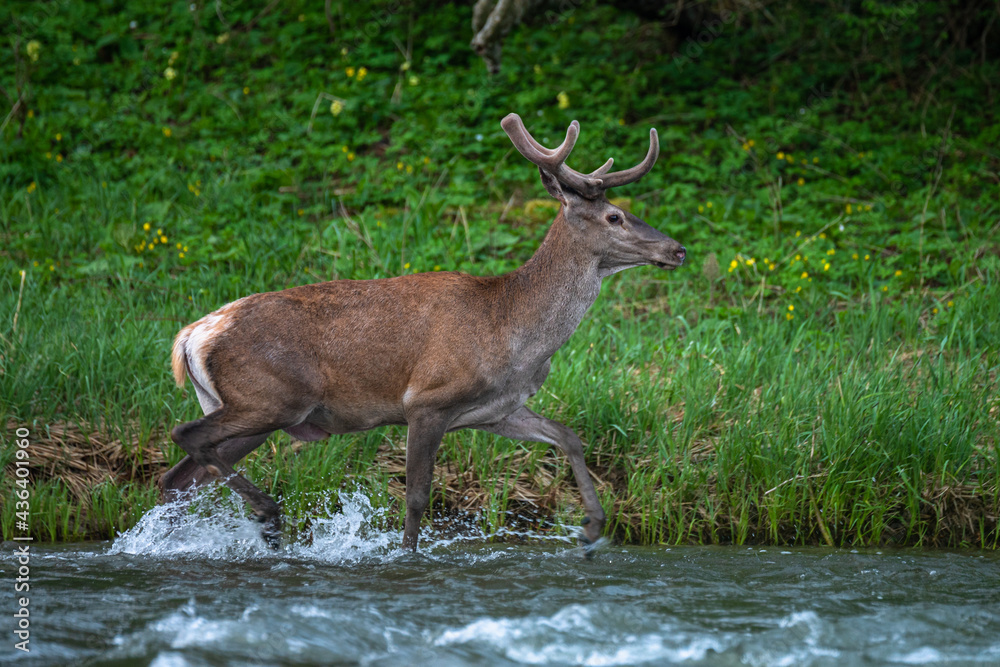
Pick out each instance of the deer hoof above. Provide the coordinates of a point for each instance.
(212, 470)
(271, 532)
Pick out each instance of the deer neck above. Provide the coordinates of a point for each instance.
(549, 295)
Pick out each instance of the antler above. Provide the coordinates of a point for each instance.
(553, 160)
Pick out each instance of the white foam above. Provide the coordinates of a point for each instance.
(574, 635)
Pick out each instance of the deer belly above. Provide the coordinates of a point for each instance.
(307, 432)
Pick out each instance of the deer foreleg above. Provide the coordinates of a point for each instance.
(423, 437)
(523, 424)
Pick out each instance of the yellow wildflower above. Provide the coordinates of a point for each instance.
(163, 239)
(169, 74)
(222, 39)
(791, 307)
(708, 204)
(789, 316)
(409, 169)
(750, 142)
(701, 209)
(33, 48)
(789, 158)
(349, 72)
(59, 157)
(181, 255)
(362, 73)
(58, 136)
(802, 181)
(815, 160)
(145, 226)
(173, 57)
(935, 311)
(781, 155)
(437, 267)
(246, 90)
(746, 146)
(167, 131)
(826, 266)
(898, 273)
(805, 274)
(350, 157)
(399, 166)
(31, 113)
(301, 212)
(563, 99)
(950, 304)
(31, 187)
(413, 80)
(336, 107)
(848, 209)
(831, 251)
(406, 266)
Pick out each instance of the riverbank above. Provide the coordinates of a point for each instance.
(823, 371)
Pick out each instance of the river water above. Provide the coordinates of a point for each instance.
(206, 591)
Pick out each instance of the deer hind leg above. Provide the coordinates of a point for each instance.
(203, 438)
(187, 474)
(523, 424)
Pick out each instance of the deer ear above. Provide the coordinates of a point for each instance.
(552, 186)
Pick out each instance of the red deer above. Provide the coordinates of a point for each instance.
(436, 352)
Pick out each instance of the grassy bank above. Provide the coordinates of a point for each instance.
(824, 370)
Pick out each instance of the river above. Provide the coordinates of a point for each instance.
(206, 591)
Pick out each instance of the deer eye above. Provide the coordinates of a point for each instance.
(614, 219)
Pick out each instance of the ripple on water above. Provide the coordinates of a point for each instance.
(580, 634)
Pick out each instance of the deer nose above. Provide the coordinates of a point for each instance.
(681, 253)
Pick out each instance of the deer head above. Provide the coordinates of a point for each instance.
(619, 239)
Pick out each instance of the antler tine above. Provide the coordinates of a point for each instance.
(553, 160)
(603, 169)
(635, 173)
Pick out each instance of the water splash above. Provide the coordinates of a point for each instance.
(211, 524)
(207, 525)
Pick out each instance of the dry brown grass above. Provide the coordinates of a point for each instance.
(82, 456)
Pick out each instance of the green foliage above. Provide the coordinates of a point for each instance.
(831, 375)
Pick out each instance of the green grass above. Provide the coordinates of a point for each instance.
(823, 371)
